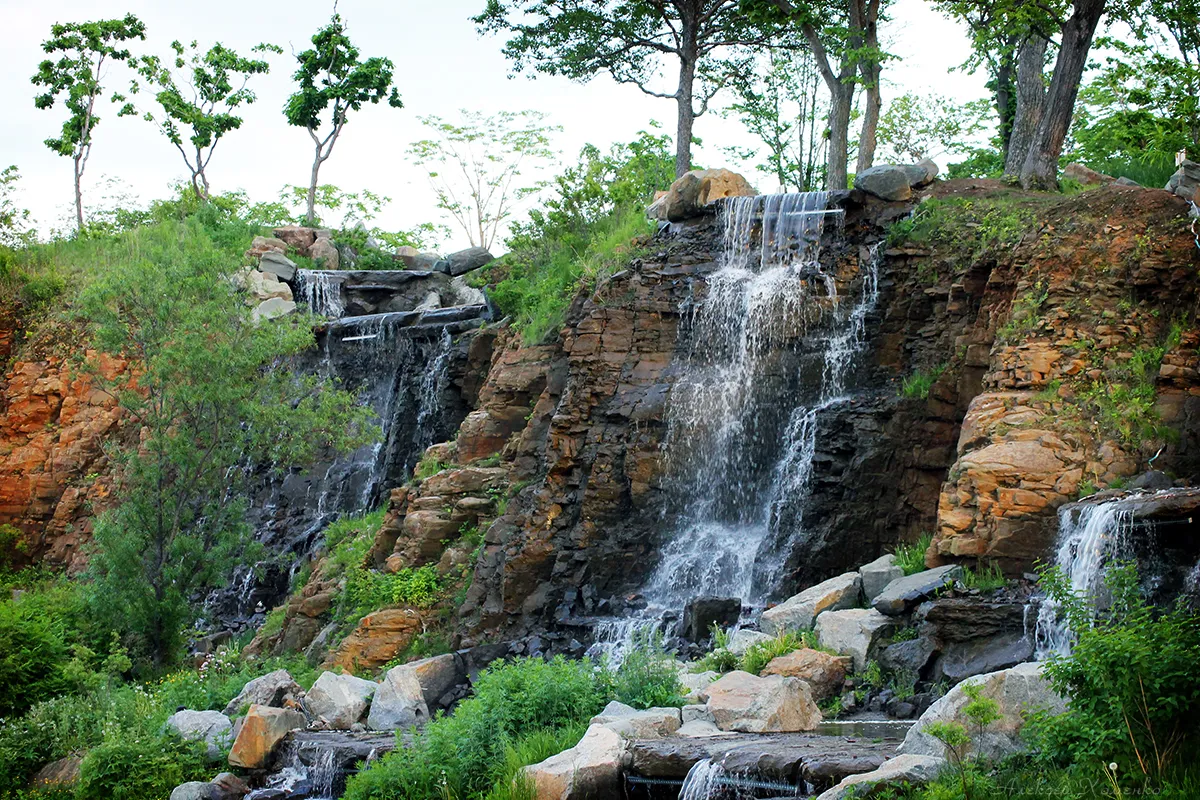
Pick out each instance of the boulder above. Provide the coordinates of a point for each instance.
(743, 702)
(213, 727)
(824, 673)
(633, 724)
(296, 237)
(1018, 690)
(702, 613)
(905, 593)
(962, 660)
(799, 612)
(399, 702)
(1086, 175)
(436, 676)
(61, 773)
(276, 263)
(878, 574)
(194, 790)
(378, 639)
(264, 286)
(272, 309)
(464, 261)
(922, 173)
(340, 700)
(854, 632)
(693, 683)
(263, 729)
(230, 786)
(909, 657)
(325, 254)
(273, 689)
(589, 770)
(906, 769)
(1123, 181)
(691, 195)
(742, 640)
(887, 182)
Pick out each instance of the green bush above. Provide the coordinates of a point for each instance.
(138, 766)
(647, 676)
(462, 755)
(918, 385)
(759, 654)
(911, 557)
(33, 652)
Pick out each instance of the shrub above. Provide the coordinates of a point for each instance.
(133, 766)
(759, 654)
(648, 676)
(984, 578)
(911, 557)
(918, 385)
(33, 652)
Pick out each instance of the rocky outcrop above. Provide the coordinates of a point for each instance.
(378, 639)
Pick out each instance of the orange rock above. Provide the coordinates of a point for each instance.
(378, 639)
(824, 673)
(261, 731)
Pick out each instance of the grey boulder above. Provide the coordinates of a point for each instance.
(901, 595)
(878, 574)
(399, 702)
(887, 182)
(213, 727)
(276, 263)
(340, 700)
(464, 261)
(799, 612)
(272, 689)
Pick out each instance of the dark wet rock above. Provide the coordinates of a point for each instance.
(704, 612)
(961, 660)
(908, 657)
(464, 261)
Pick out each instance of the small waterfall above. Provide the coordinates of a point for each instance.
(703, 781)
(1090, 537)
(321, 291)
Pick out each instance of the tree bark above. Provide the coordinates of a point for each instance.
(1040, 169)
(1031, 101)
(841, 99)
(871, 70)
(689, 56)
(1004, 102)
(78, 194)
(310, 215)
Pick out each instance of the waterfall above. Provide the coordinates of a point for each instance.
(321, 291)
(767, 351)
(1089, 538)
(703, 781)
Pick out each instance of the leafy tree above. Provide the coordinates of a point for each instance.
(779, 102)
(14, 220)
(79, 52)
(206, 404)
(915, 127)
(199, 93)
(628, 39)
(332, 78)
(479, 167)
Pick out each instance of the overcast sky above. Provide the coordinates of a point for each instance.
(442, 65)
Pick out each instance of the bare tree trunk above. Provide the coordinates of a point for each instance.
(871, 70)
(79, 193)
(1004, 102)
(689, 55)
(1031, 101)
(841, 99)
(1040, 169)
(310, 215)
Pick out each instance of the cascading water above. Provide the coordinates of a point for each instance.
(321, 291)
(1090, 538)
(703, 781)
(769, 349)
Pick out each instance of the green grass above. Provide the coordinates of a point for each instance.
(918, 385)
(984, 578)
(969, 226)
(911, 557)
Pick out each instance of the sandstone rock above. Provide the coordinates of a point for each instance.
(61, 773)
(194, 790)
(1018, 690)
(464, 261)
(913, 770)
(878, 574)
(1086, 175)
(633, 724)
(824, 673)
(691, 194)
(277, 264)
(262, 729)
(211, 726)
(296, 237)
(854, 632)
(588, 771)
(743, 702)
(272, 309)
(273, 689)
(798, 613)
(743, 639)
(885, 181)
(702, 613)
(264, 286)
(399, 702)
(230, 786)
(904, 593)
(378, 639)
(266, 244)
(339, 699)
(325, 254)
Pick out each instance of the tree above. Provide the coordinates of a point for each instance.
(80, 51)
(478, 168)
(14, 220)
(918, 127)
(207, 404)
(199, 97)
(627, 39)
(779, 102)
(332, 77)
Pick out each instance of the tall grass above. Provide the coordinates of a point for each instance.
(911, 557)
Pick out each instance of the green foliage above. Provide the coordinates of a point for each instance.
(918, 385)
(33, 652)
(984, 578)
(532, 748)
(206, 403)
(980, 162)
(140, 767)
(911, 557)
(466, 754)
(914, 127)
(759, 654)
(429, 466)
(967, 228)
(1131, 677)
(480, 167)
(195, 117)
(368, 590)
(647, 676)
(15, 222)
(1023, 317)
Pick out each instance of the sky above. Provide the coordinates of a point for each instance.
(442, 65)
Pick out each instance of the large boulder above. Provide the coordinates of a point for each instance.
(296, 237)
(271, 309)
(230, 786)
(905, 593)
(1086, 176)
(906, 769)
(743, 702)
(878, 574)
(340, 700)
(436, 676)
(799, 612)
(261, 731)
(591, 770)
(399, 702)
(378, 639)
(691, 195)
(273, 689)
(277, 264)
(324, 254)
(854, 632)
(922, 173)
(464, 261)
(886, 181)
(702, 613)
(633, 724)
(824, 673)
(60, 774)
(744, 639)
(212, 727)
(693, 683)
(1017, 691)
(962, 660)
(194, 790)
